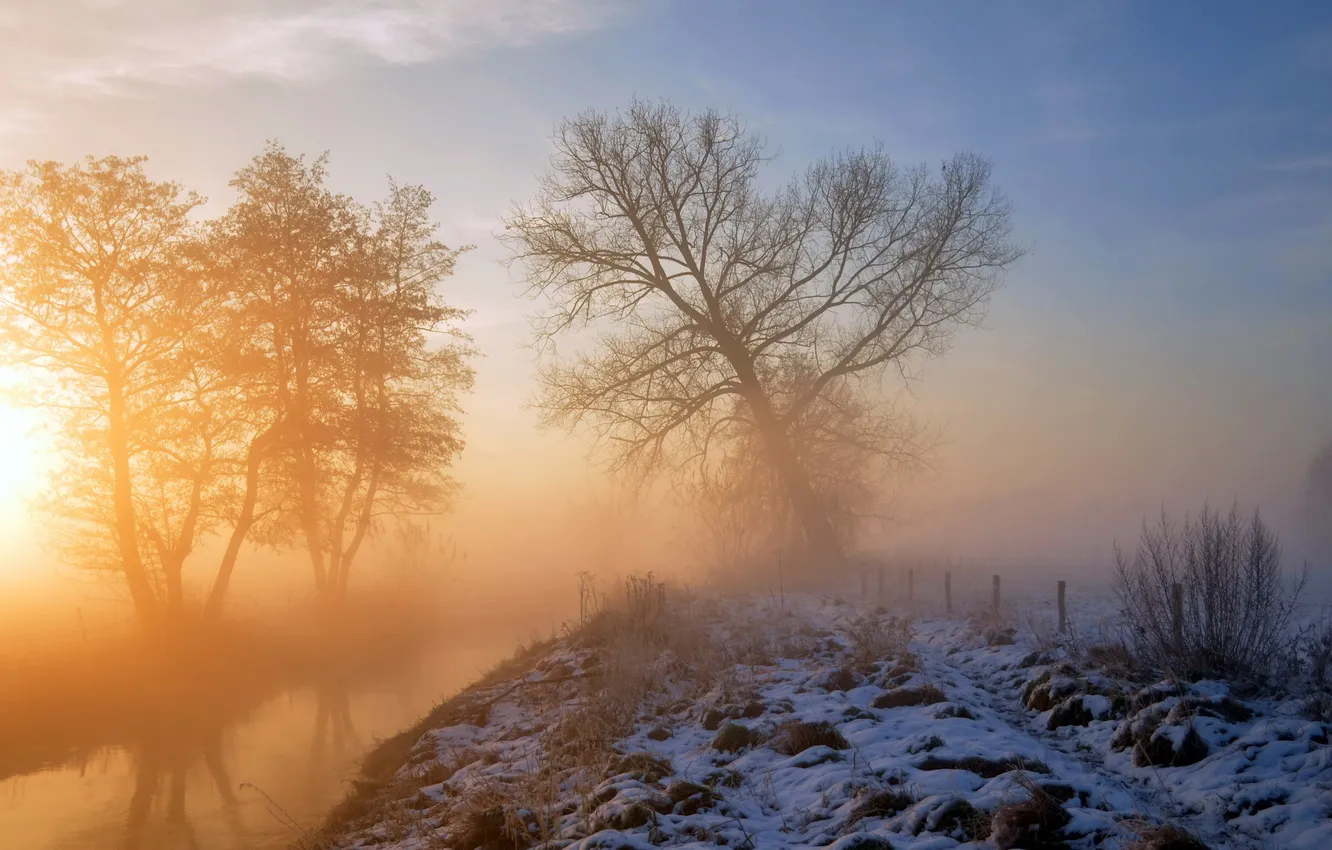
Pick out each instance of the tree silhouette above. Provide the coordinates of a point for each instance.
(361, 359)
(720, 310)
(99, 290)
(288, 369)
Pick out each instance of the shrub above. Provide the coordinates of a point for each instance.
(1235, 609)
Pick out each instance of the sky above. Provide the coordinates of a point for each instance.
(1167, 340)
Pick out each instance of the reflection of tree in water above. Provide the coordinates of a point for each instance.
(333, 729)
(158, 818)
(161, 776)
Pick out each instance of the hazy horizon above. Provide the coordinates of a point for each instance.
(1164, 343)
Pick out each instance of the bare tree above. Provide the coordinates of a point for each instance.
(719, 308)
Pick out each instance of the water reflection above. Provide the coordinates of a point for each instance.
(247, 783)
(334, 731)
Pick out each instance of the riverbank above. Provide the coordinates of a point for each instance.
(810, 721)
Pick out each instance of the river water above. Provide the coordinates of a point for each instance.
(253, 785)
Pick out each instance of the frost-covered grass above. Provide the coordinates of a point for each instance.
(745, 723)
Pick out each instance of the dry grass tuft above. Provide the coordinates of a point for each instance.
(878, 803)
(875, 637)
(1162, 837)
(1034, 823)
(924, 695)
(797, 736)
(733, 738)
(983, 767)
(645, 767)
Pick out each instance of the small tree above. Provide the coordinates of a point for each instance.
(721, 310)
(405, 365)
(1235, 609)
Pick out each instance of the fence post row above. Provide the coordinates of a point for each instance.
(996, 594)
(1063, 613)
(948, 592)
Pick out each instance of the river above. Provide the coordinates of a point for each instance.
(255, 784)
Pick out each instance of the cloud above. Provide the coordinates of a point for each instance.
(60, 48)
(1308, 163)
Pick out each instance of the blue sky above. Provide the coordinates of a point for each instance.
(1169, 338)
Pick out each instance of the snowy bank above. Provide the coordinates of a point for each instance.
(814, 722)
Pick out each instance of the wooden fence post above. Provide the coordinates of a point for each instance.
(864, 584)
(881, 583)
(1177, 612)
(948, 592)
(996, 593)
(1063, 612)
(911, 585)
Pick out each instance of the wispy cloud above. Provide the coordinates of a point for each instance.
(1308, 163)
(58, 48)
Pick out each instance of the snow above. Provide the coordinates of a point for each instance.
(1265, 781)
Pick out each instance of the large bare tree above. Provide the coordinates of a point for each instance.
(717, 308)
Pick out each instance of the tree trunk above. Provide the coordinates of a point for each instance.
(362, 527)
(307, 475)
(127, 539)
(819, 534)
(218, 592)
(820, 538)
(172, 568)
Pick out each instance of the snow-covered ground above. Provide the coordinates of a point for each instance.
(819, 722)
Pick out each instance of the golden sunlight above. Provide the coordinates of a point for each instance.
(21, 460)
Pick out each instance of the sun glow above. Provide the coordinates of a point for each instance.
(22, 459)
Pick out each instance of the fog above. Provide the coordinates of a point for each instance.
(721, 299)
